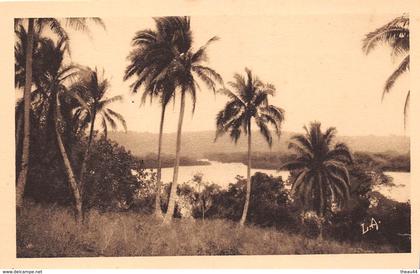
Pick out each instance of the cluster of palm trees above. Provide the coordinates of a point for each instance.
(165, 66)
(163, 63)
(62, 96)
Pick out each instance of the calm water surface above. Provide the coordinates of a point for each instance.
(224, 173)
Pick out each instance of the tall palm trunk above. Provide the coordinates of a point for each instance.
(86, 156)
(158, 211)
(18, 130)
(248, 181)
(173, 194)
(20, 187)
(67, 165)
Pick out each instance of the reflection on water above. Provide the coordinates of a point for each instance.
(224, 173)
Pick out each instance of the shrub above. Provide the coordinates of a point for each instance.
(115, 179)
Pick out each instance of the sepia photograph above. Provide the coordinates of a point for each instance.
(212, 135)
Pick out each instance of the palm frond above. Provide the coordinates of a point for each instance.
(119, 117)
(391, 33)
(111, 100)
(231, 95)
(109, 120)
(340, 152)
(329, 135)
(76, 96)
(104, 127)
(302, 140)
(406, 108)
(298, 180)
(265, 132)
(403, 67)
(200, 55)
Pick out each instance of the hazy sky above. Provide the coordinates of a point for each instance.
(315, 62)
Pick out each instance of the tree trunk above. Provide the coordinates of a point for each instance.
(248, 181)
(20, 187)
(67, 165)
(18, 130)
(82, 186)
(173, 194)
(86, 156)
(158, 210)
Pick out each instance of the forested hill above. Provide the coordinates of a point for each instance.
(198, 144)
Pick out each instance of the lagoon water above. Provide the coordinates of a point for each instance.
(225, 173)
(401, 191)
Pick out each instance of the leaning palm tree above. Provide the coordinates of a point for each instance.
(54, 83)
(248, 100)
(93, 89)
(56, 26)
(165, 58)
(396, 34)
(320, 176)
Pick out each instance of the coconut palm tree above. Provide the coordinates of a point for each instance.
(320, 176)
(54, 83)
(21, 182)
(247, 101)
(396, 34)
(93, 89)
(165, 58)
(145, 44)
(56, 26)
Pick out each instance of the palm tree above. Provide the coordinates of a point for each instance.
(145, 44)
(55, 25)
(165, 58)
(320, 176)
(54, 82)
(21, 182)
(93, 89)
(249, 99)
(397, 35)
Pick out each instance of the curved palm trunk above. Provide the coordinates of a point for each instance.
(173, 195)
(158, 210)
(86, 156)
(20, 187)
(248, 181)
(72, 179)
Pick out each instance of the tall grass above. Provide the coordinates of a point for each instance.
(52, 232)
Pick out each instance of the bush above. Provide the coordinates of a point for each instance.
(115, 179)
(270, 204)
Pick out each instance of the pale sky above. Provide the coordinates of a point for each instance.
(315, 62)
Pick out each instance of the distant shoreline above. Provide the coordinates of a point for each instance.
(386, 162)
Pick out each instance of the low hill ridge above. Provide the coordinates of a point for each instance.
(198, 144)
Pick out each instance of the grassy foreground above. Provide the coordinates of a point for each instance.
(52, 232)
